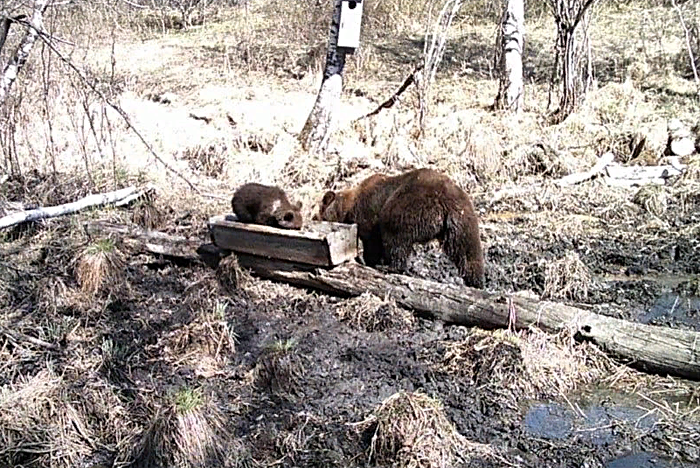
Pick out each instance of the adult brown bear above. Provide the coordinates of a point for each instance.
(394, 212)
(265, 204)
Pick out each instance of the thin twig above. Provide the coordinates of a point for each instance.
(392, 100)
(687, 42)
(16, 336)
(46, 38)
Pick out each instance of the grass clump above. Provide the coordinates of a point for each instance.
(230, 276)
(100, 266)
(532, 365)
(186, 432)
(370, 313)
(412, 430)
(280, 369)
(567, 278)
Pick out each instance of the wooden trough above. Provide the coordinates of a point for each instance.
(318, 245)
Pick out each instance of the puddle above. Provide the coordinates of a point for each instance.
(595, 416)
(673, 308)
(642, 460)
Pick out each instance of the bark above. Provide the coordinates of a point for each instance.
(319, 125)
(118, 197)
(571, 71)
(22, 53)
(511, 41)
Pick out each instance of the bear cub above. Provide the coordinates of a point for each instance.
(265, 204)
(394, 212)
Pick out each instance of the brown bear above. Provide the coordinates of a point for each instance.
(394, 212)
(265, 204)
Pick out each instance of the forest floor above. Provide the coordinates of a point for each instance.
(161, 363)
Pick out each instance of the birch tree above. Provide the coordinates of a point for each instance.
(509, 57)
(319, 125)
(36, 24)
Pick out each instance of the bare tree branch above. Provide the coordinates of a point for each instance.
(47, 40)
(687, 42)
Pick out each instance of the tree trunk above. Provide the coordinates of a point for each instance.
(510, 57)
(573, 70)
(36, 24)
(319, 125)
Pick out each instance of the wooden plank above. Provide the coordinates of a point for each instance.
(319, 243)
(262, 264)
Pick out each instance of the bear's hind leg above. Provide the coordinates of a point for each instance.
(462, 245)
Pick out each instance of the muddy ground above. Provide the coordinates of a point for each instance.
(305, 368)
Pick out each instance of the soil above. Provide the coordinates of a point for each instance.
(299, 407)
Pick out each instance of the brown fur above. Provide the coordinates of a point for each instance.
(394, 212)
(265, 204)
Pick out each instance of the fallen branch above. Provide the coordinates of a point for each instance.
(628, 176)
(579, 177)
(395, 97)
(118, 197)
(16, 336)
(153, 242)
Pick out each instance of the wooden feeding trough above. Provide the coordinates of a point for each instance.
(318, 245)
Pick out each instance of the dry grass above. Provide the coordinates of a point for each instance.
(567, 278)
(369, 313)
(410, 430)
(526, 365)
(230, 276)
(43, 421)
(100, 267)
(280, 369)
(187, 431)
(653, 198)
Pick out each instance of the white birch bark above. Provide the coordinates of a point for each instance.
(510, 92)
(20, 57)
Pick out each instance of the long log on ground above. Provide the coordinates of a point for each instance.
(647, 347)
(118, 197)
(148, 241)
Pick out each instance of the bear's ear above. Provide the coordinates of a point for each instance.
(328, 198)
(298, 205)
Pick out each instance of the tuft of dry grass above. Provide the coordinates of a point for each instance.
(527, 365)
(653, 198)
(567, 278)
(147, 214)
(370, 313)
(188, 430)
(411, 430)
(199, 427)
(100, 266)
(230, 276)
(43, 423)
(280, 369)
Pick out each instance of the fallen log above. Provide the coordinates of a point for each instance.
(152, 242)
(118, 197)
(646, 347)
(579, 177)
(649, 348)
